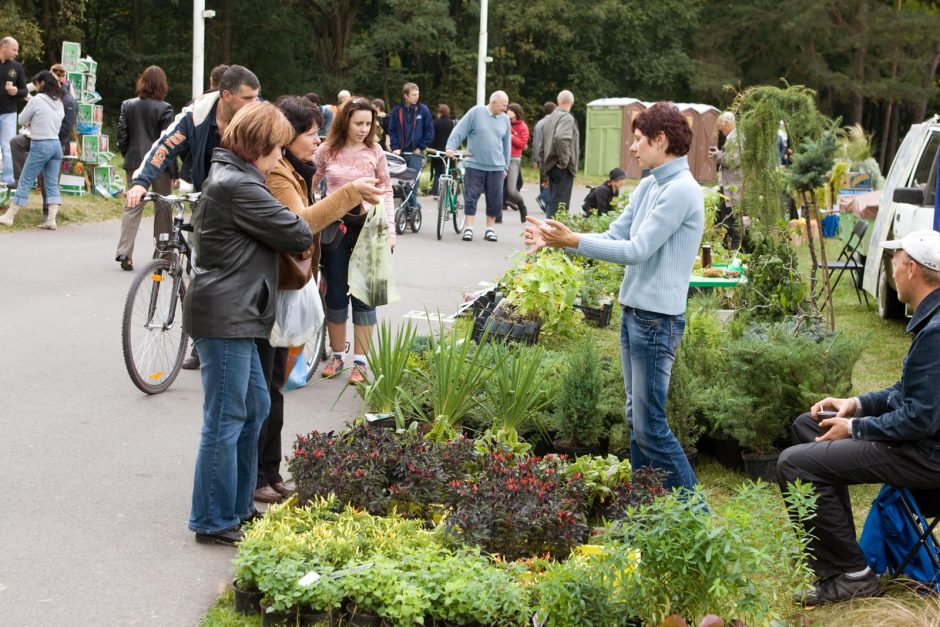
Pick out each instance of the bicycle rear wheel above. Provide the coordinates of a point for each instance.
(442, 207)
(153, 349)
(460, 218)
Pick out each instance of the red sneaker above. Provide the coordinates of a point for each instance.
(358, 374)
(332, 367)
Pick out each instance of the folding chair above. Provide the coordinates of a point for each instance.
(850, 259)
(922, 508)
(898, 534)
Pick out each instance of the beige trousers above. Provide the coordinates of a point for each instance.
(162, 221)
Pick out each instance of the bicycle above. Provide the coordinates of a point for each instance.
(152, 335)
(450, 188)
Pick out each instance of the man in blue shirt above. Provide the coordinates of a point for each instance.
(486, 129)
(410, 130)
(891, 436)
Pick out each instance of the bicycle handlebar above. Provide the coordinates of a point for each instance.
(460, 155)
(191, 198)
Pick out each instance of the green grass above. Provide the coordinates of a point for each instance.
(75, 210)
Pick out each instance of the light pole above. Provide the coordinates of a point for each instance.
(200, 14)
(481, 54)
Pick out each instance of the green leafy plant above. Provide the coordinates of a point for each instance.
(515, 394)
(775, 289)
(577, 592)
(600, 282)
(544, 287)
(595, 222)
(389, 359)
(577, 419)
(459, 368)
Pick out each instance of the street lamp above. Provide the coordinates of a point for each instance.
(482, 59)
(200, 15)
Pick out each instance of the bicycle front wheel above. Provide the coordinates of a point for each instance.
(152, 333)
(460, 218)
(442, 207)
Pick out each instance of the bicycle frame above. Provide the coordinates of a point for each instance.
(174, 242)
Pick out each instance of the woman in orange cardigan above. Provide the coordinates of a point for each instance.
(289, 182)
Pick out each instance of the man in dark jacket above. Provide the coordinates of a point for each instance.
(14, 90)
(196, 131)
(891, 436)
(603, 198)
(410, 129)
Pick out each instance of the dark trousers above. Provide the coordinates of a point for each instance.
(725, 217)
(561, 182)
(273, 365)
(482, 182)
(833, 466)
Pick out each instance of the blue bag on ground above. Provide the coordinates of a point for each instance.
(888, 536)
(298, 374)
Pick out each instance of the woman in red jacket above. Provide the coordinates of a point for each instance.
(520, 139)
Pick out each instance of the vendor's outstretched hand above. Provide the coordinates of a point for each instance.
(553, 233)
(368, 188)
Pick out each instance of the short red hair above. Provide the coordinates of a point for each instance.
(665, 117)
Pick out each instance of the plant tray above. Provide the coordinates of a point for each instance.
(505, 331)
(597, 317)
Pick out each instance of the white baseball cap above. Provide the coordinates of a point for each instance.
(921, 246)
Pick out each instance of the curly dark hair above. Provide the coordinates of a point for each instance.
(664, 117)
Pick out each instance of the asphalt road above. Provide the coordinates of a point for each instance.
(98, 476)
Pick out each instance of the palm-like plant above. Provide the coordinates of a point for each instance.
(516, 395)
(388, 366)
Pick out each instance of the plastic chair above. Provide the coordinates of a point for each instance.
(850, 259)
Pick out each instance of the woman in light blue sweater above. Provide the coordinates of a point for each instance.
(657, 238)
(43, 115)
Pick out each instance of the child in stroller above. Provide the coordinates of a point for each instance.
(405, 192)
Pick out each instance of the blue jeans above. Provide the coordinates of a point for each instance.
(235, 406)
(45, 155)
(483, 182)
(648, 342)
(7, 132)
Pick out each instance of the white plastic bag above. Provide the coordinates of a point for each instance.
(371, 275)
(298, 315)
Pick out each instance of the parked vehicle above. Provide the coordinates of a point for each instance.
(907, 204)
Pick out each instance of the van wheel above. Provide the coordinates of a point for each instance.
(889, 307)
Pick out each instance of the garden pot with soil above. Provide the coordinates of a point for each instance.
(761, 466)
(248, 600)
(725, 450)
(691, 454)
(272, 619)
(309, 616)
(360, 618)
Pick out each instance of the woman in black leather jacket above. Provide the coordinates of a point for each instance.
(142, 119)
(239, 227)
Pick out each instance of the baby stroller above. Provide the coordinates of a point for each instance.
(405, 192)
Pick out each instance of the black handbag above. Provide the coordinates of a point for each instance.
(332, 235)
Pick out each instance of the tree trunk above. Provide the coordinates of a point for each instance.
(859, 51)
(824, 265)
(227, 11)
(811, 215)
(893, 134)
(920, 108)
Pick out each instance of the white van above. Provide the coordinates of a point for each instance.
(907, 204)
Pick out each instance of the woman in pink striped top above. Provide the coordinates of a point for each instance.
(350, 152)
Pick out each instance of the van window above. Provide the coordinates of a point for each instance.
(926, 167)
(930, 194)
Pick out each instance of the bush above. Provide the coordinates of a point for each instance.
(519, 508)
(577, 419)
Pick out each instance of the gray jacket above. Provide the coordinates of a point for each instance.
(44, 117)
(561, 143)
(729, 160)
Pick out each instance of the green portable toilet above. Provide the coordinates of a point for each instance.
(604, 135)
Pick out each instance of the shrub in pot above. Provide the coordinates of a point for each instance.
(577, 419)
(543, 287)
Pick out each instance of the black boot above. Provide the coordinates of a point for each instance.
(191, 362)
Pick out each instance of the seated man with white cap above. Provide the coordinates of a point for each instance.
(891, 436)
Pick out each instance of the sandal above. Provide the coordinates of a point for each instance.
(467, 235)
(490, 235)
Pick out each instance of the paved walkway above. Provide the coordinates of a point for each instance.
(98, 476)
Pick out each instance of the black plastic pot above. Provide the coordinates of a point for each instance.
(573, 450)
(247, 602)
(272, 619)
(598, 317)
(691, 454)
(726, 451)
(381, 421)
(308, 616)
(360, 618)
(761, 466)
(505, 331)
